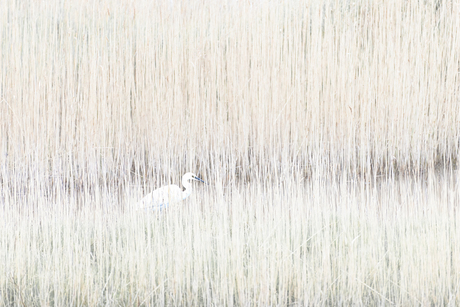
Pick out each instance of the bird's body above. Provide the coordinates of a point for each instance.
(170, 194)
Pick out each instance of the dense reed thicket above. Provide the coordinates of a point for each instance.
(128, 90)
(329, 131)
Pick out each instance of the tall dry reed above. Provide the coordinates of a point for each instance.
(329, 132)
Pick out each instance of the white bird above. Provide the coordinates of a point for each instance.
(170, 194)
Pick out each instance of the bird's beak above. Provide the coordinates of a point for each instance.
(199, 179)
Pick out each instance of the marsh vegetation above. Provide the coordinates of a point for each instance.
(327, 130)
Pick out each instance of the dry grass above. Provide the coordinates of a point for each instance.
(329, 132)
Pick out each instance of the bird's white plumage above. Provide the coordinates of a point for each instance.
(170, 194)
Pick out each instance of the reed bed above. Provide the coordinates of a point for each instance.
(315, 243)
(328, 131)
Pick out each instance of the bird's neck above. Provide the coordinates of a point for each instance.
(188, 189)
